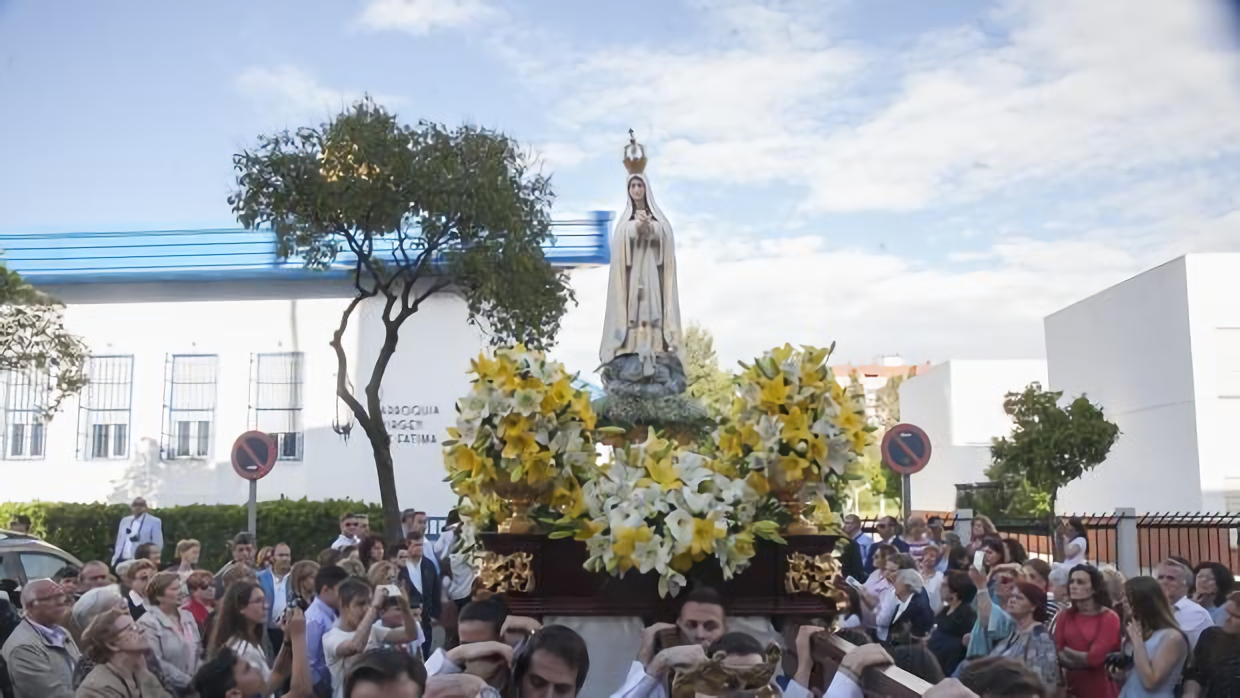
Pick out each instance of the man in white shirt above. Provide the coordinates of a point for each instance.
(701, 621)
(420, 575)
(348, 532)
(134, 530)
(356, 631)
(274, 581)
(1174, 579)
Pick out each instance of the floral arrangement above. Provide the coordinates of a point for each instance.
(793, 425)
(658, 507)
(523, 438)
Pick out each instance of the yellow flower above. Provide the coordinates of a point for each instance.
(774, 393)
(817, 453)
(536, 465)
(860, 439)
(850, 420)
(793, 467)
(782, 354)
(518, 443)
(581, 407)
(592, 529)
(484, 367)
(731, 442)
(705, 533)
(759, 483)
(569, 501)
(682, 562)
(743, 544)
(796, 426)
(625, 543)
(560, 394)
(663, 472)
(814, 357)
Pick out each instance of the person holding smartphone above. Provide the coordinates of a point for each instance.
(358, 631)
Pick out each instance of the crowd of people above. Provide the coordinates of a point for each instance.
(1083, 629)
(360, 621)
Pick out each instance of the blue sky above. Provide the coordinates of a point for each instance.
(929, 179)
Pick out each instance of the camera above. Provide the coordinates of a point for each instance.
(299, 602)
(1118, 661)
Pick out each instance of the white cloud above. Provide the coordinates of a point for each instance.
(1048, 91)
(292, 92)
(420, 17)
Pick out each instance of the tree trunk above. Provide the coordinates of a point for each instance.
(386, 472)
(1056, 544)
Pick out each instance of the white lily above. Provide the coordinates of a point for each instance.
(769, 430)
(652, 555)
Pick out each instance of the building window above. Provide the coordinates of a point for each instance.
(275, 401)
(104, 414)
(189, 407)
(25, 430)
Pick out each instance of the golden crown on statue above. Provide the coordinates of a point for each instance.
(634, 155)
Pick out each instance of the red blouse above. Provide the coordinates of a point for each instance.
(1097, 636)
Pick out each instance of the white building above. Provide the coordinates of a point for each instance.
(199, 336)
(1160, 353)
(959, 404)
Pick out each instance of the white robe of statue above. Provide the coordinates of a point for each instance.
(643, 304)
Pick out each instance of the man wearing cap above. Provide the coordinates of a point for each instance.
(137, 528)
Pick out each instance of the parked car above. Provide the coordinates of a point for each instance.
(24, 557)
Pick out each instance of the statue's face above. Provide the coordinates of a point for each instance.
(637, 190)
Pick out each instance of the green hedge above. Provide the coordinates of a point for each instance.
(88, 531)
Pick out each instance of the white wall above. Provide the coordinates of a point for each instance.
(1128, 349)
(1214, 319)
(959, 404)
(427, 372)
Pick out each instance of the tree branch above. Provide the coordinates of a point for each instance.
(342, 365)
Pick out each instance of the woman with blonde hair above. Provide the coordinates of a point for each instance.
(172, 632)
(981, 529)
(262, 561)
(188, 552)
(301, 580)
(118, 650)
(382, 573)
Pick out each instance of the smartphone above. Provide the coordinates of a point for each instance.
(393, 591)
(979, 560)
(853, 582)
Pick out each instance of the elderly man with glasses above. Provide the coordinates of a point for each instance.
(40, 654)
(1174, 578)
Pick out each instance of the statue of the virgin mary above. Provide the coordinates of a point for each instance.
(641, 329)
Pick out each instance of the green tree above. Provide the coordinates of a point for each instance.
(412, 211)
(1050, 446)
(709, 383)
(35, 343)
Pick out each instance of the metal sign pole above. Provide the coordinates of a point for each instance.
(253, 508)
(906, 495)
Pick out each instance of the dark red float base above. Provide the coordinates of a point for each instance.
(565, 588)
